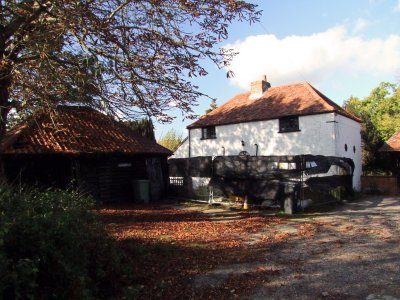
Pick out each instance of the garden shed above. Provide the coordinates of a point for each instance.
(82, 147)
(392, 146)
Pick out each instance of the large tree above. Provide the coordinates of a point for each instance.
(380, 116)
(128, 57)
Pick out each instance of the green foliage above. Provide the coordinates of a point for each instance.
(143, 127)
(380, 116)
(51, 246)
(213, 105)
(171, 140)
(381, 107)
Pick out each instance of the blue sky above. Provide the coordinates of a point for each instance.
(343, 48)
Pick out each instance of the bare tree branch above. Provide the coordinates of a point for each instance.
(131, 57)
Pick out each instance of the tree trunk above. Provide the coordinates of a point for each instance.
(4, 103)
(4, 109)
(5, 83)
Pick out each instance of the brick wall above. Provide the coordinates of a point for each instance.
(388, 185)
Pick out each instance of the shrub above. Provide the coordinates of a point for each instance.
(51, 246)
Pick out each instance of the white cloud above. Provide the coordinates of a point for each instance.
(360, 25)
(329, 54)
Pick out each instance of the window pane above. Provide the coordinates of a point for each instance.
(289, 124)
(208, 132)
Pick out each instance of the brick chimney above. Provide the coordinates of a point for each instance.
(259, 87)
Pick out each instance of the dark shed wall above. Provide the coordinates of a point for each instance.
(55, 171)
(114, 177)
(108, 178)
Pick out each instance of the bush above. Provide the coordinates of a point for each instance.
(51, 246)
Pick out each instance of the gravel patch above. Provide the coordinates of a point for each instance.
(350, 253)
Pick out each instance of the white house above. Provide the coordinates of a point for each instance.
(292, 119)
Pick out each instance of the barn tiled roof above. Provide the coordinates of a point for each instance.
(393, 144)
(76, 130)
(288, 100)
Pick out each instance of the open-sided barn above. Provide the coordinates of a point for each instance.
(86, 148)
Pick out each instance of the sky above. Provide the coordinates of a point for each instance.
(343, 48)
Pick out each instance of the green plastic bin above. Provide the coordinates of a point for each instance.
(141, 189)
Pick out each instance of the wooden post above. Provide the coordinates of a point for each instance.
(245, 205)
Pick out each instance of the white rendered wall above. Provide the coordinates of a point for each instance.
(183, 150)
(322, 134)
(347, 132)
(316, 136)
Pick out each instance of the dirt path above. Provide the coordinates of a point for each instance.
(350, 253)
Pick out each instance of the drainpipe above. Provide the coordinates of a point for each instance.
(189, 144)
(256, 149)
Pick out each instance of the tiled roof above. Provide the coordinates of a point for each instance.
(289, 100)
(393, 144)
(76, 130)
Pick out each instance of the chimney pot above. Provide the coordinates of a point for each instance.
(259, 87)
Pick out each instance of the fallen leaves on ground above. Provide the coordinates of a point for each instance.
(307, 229)
(172, 245)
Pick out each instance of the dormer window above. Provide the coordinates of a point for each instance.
(289, 124)
(208, 133)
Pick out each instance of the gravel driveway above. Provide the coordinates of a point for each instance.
(351, 252)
